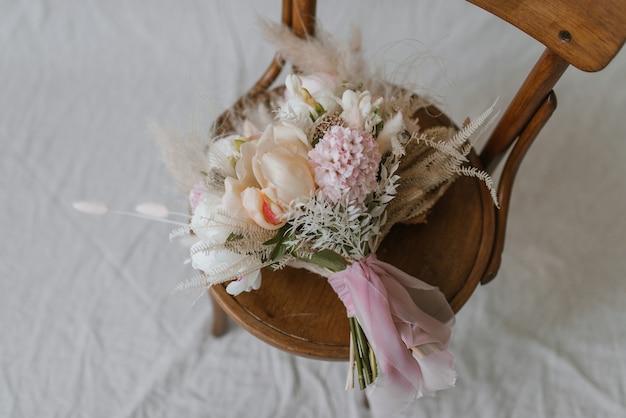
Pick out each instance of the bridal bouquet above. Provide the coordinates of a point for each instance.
(314, 176)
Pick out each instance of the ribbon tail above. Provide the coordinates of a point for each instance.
(409, 343)
(437, 370)
(386, 399)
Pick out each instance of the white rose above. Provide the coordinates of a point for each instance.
(200, 224)
(212, 233)
(209, 261)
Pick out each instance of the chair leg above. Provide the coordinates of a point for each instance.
(219, 318)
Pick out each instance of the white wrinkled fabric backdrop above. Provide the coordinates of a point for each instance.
(89, 326)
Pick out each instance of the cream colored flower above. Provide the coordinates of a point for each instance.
(359, 111)
(308, 98)
(210, 233)
(245, 284)
(223, 154)
(263, 208)
(203, 211)
(271, 173)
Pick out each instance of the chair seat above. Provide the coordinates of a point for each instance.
(297, 311)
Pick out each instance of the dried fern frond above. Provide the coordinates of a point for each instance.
(484, 177)
(180, 232)
(222, 219)
(224, 273)
(433, 160)
(447, 148)
(463, 135)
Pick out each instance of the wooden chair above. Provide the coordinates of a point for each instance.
(297, 311)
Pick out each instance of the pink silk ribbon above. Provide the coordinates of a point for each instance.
(398, 312)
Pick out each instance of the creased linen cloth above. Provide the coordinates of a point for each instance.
(88, 324)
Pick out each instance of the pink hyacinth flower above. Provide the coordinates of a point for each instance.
(345, 164)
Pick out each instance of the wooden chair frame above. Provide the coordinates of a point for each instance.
(570, 33)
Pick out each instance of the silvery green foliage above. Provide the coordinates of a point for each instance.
(349, 229)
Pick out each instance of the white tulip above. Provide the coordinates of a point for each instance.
(245, 284)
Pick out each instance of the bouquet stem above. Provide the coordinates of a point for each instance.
(365, 359)
(373, 363)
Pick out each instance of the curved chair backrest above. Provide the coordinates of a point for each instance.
(584, 33)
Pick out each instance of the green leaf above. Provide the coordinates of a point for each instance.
(279, 237)
(234, 237)
(319, 109)
(278, 252)
(328, 259)
(274, 240)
